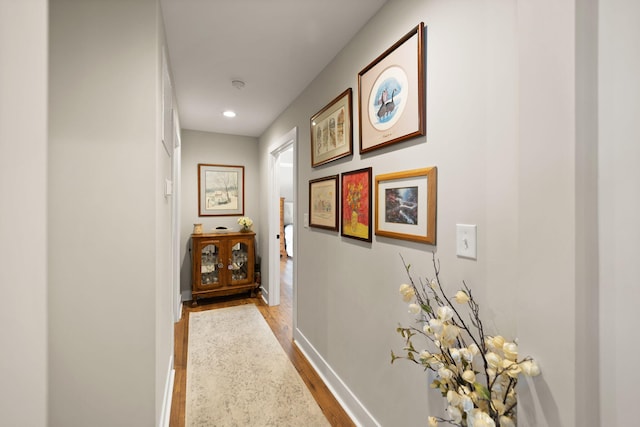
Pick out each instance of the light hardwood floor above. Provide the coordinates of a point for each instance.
(280, 320)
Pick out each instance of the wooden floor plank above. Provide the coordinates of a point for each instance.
(279, 319)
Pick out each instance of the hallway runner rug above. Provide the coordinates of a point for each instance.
(239, 375)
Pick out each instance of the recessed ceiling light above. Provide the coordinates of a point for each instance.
(229, 113)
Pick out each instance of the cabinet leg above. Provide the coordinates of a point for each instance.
(194, 303)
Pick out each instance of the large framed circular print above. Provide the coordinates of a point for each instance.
(391, 94)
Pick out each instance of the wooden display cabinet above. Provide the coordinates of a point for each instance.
(222, 264)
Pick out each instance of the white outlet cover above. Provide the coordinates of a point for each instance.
(466, 241)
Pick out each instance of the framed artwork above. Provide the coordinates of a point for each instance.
(406, 205)
(356, 204)
(220, 190)
(323, 203)
(331, 133)
(391, 94)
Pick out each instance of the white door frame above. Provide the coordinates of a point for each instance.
(285, 142)
(176, 185)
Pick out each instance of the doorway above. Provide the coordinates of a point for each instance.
(287, 206)
(282, 176)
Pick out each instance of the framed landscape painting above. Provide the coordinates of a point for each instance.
(220, 190)
(323, 203)
(356, 204)
(391, 94)
(406, 205)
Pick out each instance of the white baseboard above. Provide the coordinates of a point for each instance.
(265, 295)
(354, 408)
(165, 415)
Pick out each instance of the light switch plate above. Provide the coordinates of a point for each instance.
(466, 241)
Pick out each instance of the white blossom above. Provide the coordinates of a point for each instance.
(530, 368)
(445, 313)
(467, 403)
(445, 374)
(453, 398)
(454, 414)
(436, 325)
(493, 359)
(466, 354)
(461, 297)
(407, 292)
(414, 308)
(510, 350)
(469, 376)
(473, 348)
(506, 422)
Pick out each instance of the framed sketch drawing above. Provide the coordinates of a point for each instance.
(391, 94)
(356, 204)
(220, 190)
(406, 205)
(323, 203)
(331, 133)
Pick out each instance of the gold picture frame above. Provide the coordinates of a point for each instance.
(406, 205)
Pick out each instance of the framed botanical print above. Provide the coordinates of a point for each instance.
(356, 204)
(391, 94)
(220, 190)
(323, 203)
(406, 205)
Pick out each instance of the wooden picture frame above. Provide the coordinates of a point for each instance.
(406, 205)
(356, 204)
(220, 190)
(331, 130)
(391, 94)
(323, 203)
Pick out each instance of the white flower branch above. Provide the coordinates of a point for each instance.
(491, 402)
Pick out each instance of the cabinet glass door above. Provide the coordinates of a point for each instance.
(239, 263)
(211, 266)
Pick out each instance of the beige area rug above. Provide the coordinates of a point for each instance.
(239, 375)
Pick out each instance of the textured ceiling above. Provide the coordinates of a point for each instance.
(277, 47)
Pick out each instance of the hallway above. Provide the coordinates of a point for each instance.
(279, 319)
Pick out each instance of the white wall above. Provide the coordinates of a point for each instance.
(23, 195)
(348, 310)
(109, 334)
(619, 207)
(220, 149)
(502, 129)
(587, 412)
(164, 287)
(547, 209)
